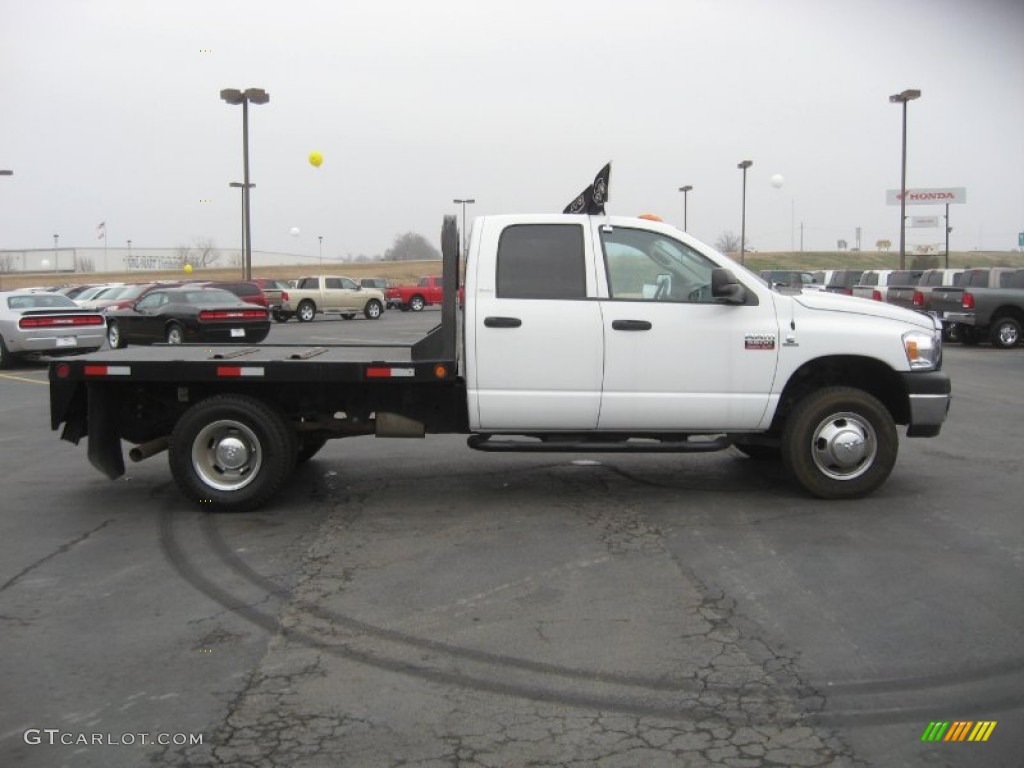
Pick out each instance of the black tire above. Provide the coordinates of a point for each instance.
(968, 335)
(403, 307)
(174, 334)
(5, 355)
(114, 336)
(306, 311)
(840, 443)
(279, 316)
(759, 452)
(231, 453)
(1005, 333)
(309, 446)
(416, 303)
(348, 316)
(373, 310)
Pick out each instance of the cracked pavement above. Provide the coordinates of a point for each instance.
(451, 637)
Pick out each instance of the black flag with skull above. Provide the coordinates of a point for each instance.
(592, 199)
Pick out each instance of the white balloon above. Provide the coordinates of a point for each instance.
(778, 180)
(294, 231)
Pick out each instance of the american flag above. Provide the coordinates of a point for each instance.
(101, 231)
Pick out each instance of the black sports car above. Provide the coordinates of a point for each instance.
(186, 314)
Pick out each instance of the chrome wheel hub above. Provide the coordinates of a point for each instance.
(844, 446)
(227, 455)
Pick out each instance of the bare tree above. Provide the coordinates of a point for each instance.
(411, 247)
(202, 253)
(6, 262)
(728, 242)
(85, 264)
(883, 245)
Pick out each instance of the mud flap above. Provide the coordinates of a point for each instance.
(104, 439)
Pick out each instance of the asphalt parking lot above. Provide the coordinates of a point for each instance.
(416, 603)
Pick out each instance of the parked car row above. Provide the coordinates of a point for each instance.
(79, 318)
(973, 305)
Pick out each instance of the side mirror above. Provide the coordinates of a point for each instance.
(725, 288)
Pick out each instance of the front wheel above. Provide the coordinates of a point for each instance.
(175, 334)
(1006, 333)
(372, 310)
(840, 443)
(232, 452)
(114, 336)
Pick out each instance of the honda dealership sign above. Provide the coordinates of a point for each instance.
(928, 196)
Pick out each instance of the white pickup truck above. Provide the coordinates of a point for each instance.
(579, 334)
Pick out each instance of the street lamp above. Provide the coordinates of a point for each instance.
(321, 239)
(743, 219)
(685, 190)
(235, 96)
(243, 187)
(464, 204)
(902, 98)
(55, 258)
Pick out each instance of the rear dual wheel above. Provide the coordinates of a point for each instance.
(232, 453)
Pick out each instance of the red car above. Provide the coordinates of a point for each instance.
(427, 291)
(248, 291)
(130, 294)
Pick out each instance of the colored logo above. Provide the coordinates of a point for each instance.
(959, 730)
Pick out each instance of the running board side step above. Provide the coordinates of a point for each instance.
(497, 445)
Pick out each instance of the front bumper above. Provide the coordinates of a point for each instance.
(929, 395)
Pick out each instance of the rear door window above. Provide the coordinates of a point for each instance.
(541, 261)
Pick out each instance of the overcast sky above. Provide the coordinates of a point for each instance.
(110, 111)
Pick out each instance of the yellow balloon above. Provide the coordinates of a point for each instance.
(188, 269)
(315, 158)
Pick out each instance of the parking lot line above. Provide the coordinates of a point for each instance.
(22, 378)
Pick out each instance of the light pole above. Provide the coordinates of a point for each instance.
(743, 217)
(245, 239)
(235, 96)
(464, 204)
(902, 98)
(685, 190)
(55, 258)
(321, 239)
(948, 230)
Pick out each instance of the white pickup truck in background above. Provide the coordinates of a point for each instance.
(580, 333)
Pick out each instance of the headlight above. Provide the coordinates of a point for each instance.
(924, 350)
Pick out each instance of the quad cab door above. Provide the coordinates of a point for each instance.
(534, 338)
(676, 357)
(342, 293)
